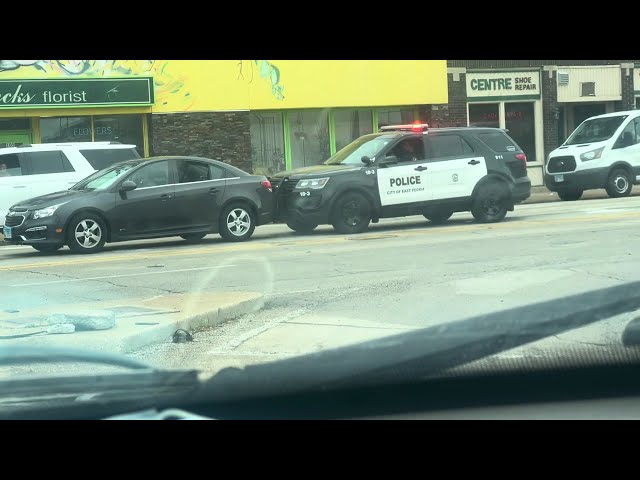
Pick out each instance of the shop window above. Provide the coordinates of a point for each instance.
(267, 142)
(15, 124)
(65, 129)
(309, 137)
(520, 122)
(484, 115)
(350, 125)
(120, 128)
(395, 116)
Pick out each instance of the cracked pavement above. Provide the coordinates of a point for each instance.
(325, 289)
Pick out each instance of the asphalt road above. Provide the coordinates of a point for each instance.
(325, 289)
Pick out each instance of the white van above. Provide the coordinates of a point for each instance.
(603, 152)
(29, 171)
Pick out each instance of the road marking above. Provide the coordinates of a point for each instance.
(291, 293)
(248, 247)
(155, 272)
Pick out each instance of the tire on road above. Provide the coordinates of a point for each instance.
(619, 183)
(570, 195)
(351, 213)
(237, 222)
(193, 237)
(438, 217)
(491, 202)
(47, 248)
(86, 233)
(301, 227)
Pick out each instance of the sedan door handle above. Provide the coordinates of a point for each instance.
(165, 196)
(474, 162)
(20, 186)
(420, 168)
(213, 190)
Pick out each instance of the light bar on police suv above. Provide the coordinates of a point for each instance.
(414, 127)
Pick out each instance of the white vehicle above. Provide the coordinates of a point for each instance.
(603, 152)
(29, 171)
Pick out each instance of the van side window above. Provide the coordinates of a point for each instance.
(38, 163)
(10, 165)
(628, 136)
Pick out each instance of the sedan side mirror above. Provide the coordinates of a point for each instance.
(127, 186)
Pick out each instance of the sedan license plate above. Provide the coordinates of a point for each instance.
(558, 178)
(6, 231)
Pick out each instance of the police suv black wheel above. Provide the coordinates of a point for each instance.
(619, 183)
(193, 237)
(301, 227)
(47, 248)
(351, 213)
(439, 216)
(491, 203)
(570, 195)
(86, 233)
(237, 223)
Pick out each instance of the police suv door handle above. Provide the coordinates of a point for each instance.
(165, 196)
(20, 186)
(420, 168)
(474, 162)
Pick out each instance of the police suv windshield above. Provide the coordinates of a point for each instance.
(368, 145)
(596, 130)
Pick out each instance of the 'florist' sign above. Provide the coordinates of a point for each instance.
(503, 84)
(76, 92)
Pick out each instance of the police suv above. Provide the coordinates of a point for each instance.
(406, 170)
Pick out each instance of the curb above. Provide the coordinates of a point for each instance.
(164, 333)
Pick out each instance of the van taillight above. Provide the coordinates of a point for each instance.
(522, 157)
(266, 184)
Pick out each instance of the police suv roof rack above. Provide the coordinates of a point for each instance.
(414, 127)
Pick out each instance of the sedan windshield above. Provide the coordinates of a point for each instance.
(596, 130)
(103, 179)
(369, 146)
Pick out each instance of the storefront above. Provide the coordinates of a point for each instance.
(636, 85)
(260, 115)
(510, 100)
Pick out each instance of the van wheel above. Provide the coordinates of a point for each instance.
(491, 203)
(301, 227)
(570, 195)
(438, 216)
(86, 233)
(619, 183)
(351, 214)
(237, 223)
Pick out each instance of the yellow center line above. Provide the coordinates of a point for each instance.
(256, 245)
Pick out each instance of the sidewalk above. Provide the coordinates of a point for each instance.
(126, 325)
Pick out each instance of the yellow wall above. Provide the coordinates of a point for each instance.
(204, 85)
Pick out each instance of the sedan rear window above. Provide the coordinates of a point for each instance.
(105, 157)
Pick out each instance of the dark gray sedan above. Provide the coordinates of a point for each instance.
(155, 197)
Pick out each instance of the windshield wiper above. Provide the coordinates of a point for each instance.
(425, 352)
(23, 354)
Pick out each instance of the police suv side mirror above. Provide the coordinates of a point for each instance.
(366, 160)
(127, 186)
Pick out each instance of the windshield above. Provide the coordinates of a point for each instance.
(368, 145)
(104, 179)
(596, 130)
(251, 231)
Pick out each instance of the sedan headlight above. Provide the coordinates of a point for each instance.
(314, 183)
(592, 155)
(46, 212)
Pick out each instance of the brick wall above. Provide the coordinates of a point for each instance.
(628, 96)
(454, 113)
(549, 109)
(223, 136)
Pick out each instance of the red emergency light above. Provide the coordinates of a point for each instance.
(414, 127)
